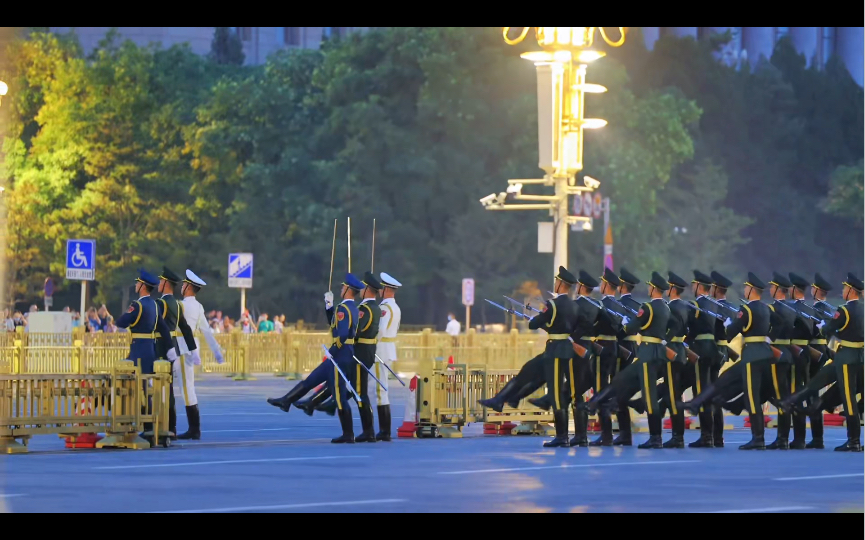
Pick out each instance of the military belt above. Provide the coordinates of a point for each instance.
(648, 339)
(177, 333)
(143, 336)
(755, 339)
(721, 342)
(348, 342)
(631, 338)
(799, 342)
(819, 342)
(588, 338)
(388, 340)
(852, 344)
(366, 341)
(558, 336)
(606, 338)
(678, 340)
(781, 342)
(704, 337)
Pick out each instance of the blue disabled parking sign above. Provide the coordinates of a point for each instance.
(240, 270)
(81, 259)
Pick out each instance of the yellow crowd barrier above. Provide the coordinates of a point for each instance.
(117, 403)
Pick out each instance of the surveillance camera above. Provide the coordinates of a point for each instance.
(489, 199)
(591, 183)
(515, 189)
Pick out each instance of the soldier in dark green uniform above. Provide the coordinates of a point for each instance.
(369, 315)
(820, 289)
(607, 330)
(673, 371)
(172, 313)
(623, 417)
(701, 336)
(847, 366)
(641, 376)
(780, 333)
(803, 333)
(580, 369)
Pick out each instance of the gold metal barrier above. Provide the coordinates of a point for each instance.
(117, 403)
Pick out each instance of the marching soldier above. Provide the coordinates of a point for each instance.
(172, 314)
(369, 315)
(607, 363)
(184, 371)
(147, 327)
(641, 376)
(702, 336)
(627, 283)
(343, 327)
(677, 331)
(820, 289)
(753, 322)
(580, 369)
(803, 333)
(780, 333)
(388, 327)
(847, 366)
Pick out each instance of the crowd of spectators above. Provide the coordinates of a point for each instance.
(220, 323)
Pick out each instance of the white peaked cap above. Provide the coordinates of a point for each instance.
(388, 281)
(195, 280)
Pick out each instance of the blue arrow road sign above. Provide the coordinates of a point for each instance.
(240, 270)
(81, 259)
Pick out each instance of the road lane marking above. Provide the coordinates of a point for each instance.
(226, 462)
(281, 507)
(567, 466)
(760, 510)
(819, 477)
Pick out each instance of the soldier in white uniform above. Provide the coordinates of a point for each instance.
(386, 350)
(184, 369)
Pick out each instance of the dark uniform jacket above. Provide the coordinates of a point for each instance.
(343, 327)
(847, 327)
(559, 319)
(752, 321)
(651, 322)
(172, 313)
(368, 316)
(587, 316)
(144, 323)
(701, 329)
(781, 322)
(677, 328)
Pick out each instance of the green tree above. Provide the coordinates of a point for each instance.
(226, 47)
(845, 198)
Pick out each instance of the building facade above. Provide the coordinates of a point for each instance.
(752, 44)
(258, 41)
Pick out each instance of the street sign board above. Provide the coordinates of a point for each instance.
(240, 270)
(545, 237)
(81, 260)
(578, 204)
(468, 292)
(587, 204)
(597, 205)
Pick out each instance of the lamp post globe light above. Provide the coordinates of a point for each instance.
(3, 90)
(561, 74)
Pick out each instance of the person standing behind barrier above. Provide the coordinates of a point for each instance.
(195, 318)
(453, 329)
(172, 313)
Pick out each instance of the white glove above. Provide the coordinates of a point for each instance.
(172, 354)
(328, 299)
(821, 324)
(625, 320)
(728, 322)
(189, 359)
(219, 358)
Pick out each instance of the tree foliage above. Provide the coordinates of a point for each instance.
(168, 158)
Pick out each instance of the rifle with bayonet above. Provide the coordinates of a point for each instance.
(579, 349)
(797, 350)
(671, 353)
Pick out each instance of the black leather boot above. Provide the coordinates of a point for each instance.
(853, 431)
(606, 421)
(758, 430)
(347, 436)
(172, 415)
(706, 439)
(286, 401)
(598, 400)
(194, 432)
(655, 441)
(581, 424)
(309, 406)
(783, 438)
(383, 424)
(527, 390)
(497, 402)
(678, 438)
(799, 431)
(816, 431)
(624, 436)
(544, 402)
(367, 422)
(560, 419)
(638, 405)
(718, 426)
(328, 407)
